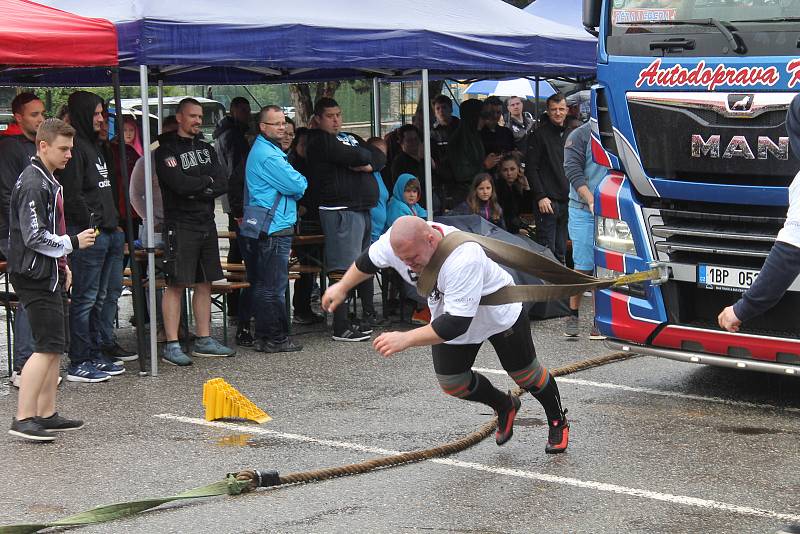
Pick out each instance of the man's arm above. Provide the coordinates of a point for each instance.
(575, 163)
(780, 269)
(31, 209)
(283, 177)
(71, 179)
(170, 173)
(532, 164)
(326, 147)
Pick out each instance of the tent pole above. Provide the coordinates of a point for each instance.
(536, 100)
(148, 197)
(426, 141)
(160, 111)
(376, 107)
(136, 278)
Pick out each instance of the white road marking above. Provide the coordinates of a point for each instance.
(554, 479)
(658, 392)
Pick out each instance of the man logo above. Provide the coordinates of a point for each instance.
(740, 102)
(171, 162)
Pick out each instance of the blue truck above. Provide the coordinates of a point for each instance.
(688, 114)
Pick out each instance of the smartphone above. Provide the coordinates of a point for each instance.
(93, 224)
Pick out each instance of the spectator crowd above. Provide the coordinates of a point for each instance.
(496, 160)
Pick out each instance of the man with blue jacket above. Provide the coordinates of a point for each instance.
(270, 177)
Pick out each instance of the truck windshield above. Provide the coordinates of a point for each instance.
(627, 12)
(715, 26)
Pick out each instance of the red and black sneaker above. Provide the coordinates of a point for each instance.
(558, 438)
(505, 420)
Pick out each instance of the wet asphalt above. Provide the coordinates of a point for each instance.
(678, 448)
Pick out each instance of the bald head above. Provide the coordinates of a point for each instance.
(413, 241)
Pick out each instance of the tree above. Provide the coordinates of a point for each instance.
(301, 98)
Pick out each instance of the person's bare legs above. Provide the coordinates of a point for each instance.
(201, 303)
(171, 310)
(46, 404)
(33, 382)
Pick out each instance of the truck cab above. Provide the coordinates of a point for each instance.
(688, 115)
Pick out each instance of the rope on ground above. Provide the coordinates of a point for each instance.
(248, 480)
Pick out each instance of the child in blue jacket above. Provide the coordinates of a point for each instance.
(405, 194)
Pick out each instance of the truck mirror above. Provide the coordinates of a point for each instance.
(591, 15)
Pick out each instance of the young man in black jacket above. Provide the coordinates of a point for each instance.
(190, 178)
(38, 270)
(549, 184)
(89, 202)
(343, 163)
(16, 152)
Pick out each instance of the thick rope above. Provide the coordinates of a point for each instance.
(445, 449)
(248, 480)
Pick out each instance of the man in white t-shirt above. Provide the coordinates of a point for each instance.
(782, 265)
(459, 324)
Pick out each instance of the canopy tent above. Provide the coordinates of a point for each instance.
(522, 87)
(316, 39)
(37, 35)
(566, 12)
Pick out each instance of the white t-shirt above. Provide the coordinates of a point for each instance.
(790, 233)
(466, 276)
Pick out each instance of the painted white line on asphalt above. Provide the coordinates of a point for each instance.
(519, 473)
(659, 392)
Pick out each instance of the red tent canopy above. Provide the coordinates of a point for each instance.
(35, 35)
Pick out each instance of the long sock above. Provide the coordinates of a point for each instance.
(481, 390)
(550, 399)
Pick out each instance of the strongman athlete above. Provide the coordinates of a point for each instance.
(459, 324)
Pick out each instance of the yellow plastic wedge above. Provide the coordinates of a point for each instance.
(222, 401)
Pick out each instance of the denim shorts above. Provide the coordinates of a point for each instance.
(581, 232)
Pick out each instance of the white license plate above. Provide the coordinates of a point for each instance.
(725, 278)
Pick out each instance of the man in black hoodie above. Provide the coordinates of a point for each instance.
(232, 148)
(549, 184)
(89, 202)
(343, 163)
(190, 178)
(16, 152)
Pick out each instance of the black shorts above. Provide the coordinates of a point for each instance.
(48, 313)
(191, 254)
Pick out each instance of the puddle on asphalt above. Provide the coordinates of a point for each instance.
(752, 431)
(245, 440)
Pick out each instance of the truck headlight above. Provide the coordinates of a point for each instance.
(614, 234)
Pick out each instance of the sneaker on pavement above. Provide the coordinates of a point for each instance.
(208, 347)
(361, 327)
(264, 345)
(109, 366)
(571, 326)
(30, 429)
(558, 437)
(173, 354)
(596, 335)
(372, 319)
(505, 420)
(244, 338)
(307, 318)
(86, 372)
(351, 334)
(56, 423)
(126, 291)
(115, 352)
(421, 317)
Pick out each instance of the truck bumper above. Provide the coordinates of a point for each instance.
(706, 359)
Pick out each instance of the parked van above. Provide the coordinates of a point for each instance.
(213, 111)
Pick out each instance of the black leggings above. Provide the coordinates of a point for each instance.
(453, 366)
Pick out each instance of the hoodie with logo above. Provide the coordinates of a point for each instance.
(88, 176)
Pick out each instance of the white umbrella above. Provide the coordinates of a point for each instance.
(522, 87)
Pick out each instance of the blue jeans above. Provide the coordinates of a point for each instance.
(267, 262)
(109, 290)
(23, 338)
(90, 267)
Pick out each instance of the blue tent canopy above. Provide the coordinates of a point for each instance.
(252, 42)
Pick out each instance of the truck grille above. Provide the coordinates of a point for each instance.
(708, 233)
